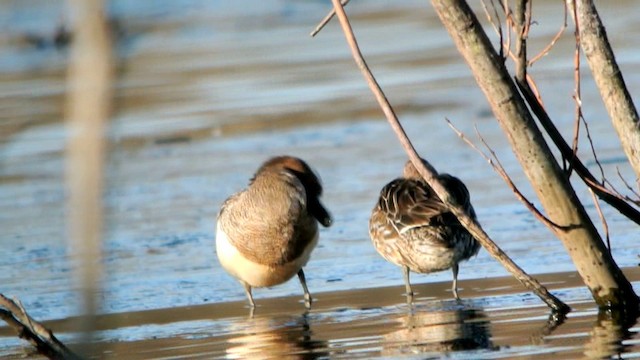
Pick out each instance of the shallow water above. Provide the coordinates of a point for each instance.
(206, 91)
(496, 320)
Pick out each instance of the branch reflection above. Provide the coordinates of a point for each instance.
(608, 333)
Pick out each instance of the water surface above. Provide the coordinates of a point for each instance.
(206, 91)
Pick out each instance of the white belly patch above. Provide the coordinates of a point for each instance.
(255, 274)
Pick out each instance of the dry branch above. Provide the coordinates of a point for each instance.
(326, 19)
(577, 96)
(605, 225)
(631, 189)
(565, 150)
(495, 23)
(605, 280)
(497, 167)
(608, 78)
(553, 41)
(429, 174)
(521, 29)
(14, 314)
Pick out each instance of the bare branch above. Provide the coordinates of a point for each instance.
(577, 96)
(508, 21)
(497, 166)
(597, 268)
(326, 19)
(527, 18)
(609, 80)
(605, 226)
(630, 188)
(495, 23)
(520, 29)
(14, 314)
(593, 152)
(603, 193)
(534, 89)
(429, 174)
(555, 39)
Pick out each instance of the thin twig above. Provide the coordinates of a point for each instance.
(605, 226)
(630, 188)
(577, 96)
(508, 21)
(495, 163)
(595, 155)
(429, 174)
(555, 39)
(326, 19)
(534, 88)
(527, 19)
(603, 193)
(495, 23)
(604, 182)
(537, 213)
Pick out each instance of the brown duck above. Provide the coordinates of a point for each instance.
(411, 227)
(266, 232)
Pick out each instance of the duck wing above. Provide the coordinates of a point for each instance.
(409, 204)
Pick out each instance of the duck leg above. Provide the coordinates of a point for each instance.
(407, 284)
(247, 290)
(307, 296)
(454, 286)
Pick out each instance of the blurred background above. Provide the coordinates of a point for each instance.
(206, 90)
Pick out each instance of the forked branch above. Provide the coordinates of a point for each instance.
(497, 167)
(603, 193)
(524, 83)
(326, 19)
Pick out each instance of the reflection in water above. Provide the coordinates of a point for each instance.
(608, 333)
(275, 338)
(554, 320)
(439, 331)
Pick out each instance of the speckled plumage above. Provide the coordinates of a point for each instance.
(266, 232)
(412, 228)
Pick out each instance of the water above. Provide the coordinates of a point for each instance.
(206, 91)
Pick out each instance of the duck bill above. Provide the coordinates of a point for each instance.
(320, 213)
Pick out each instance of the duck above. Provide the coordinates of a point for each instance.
(412, 228)
(266, 232)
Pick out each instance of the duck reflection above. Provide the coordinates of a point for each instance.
(439, 331)
(608, 333)
(287, 337)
